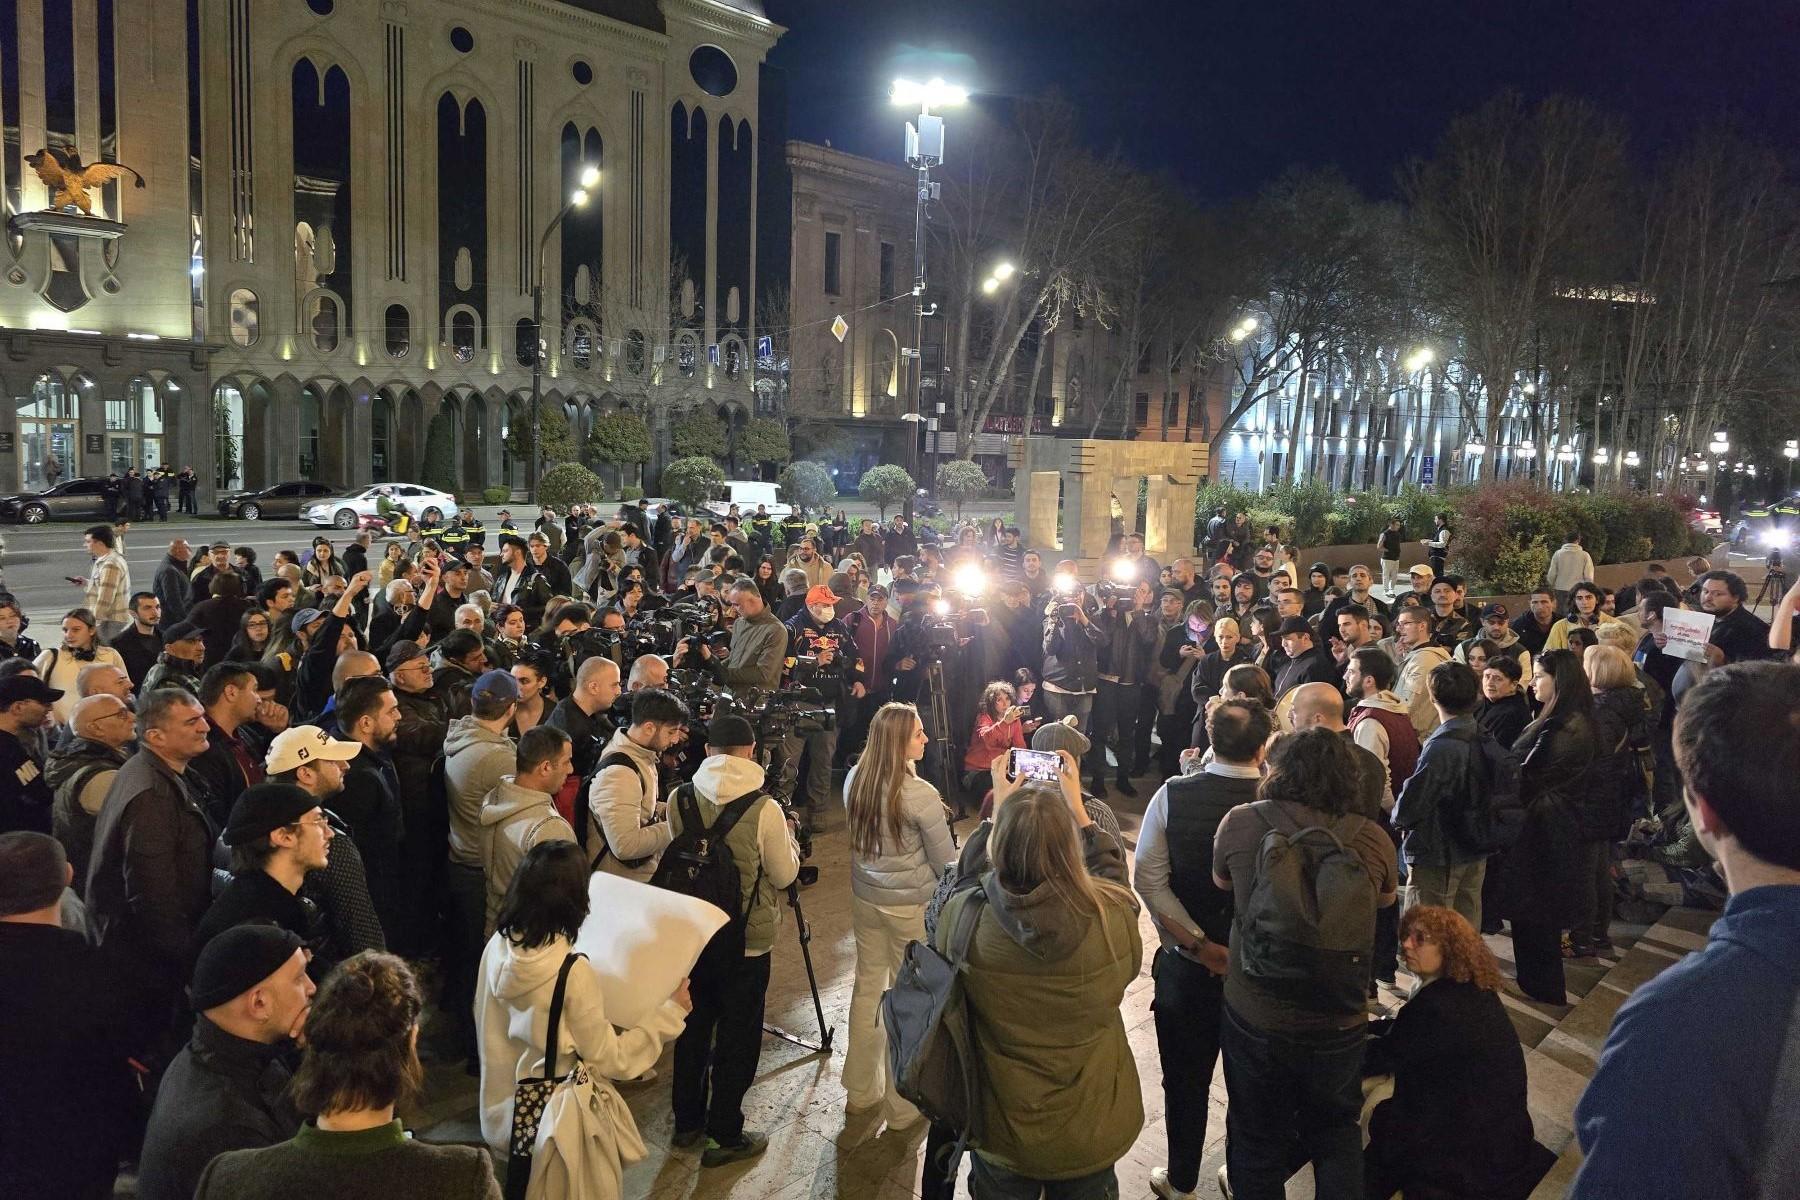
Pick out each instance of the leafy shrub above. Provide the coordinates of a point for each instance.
(1519, 568)
(697, 435)
(570, 483)
(1360, 517)
(1306, 505)
(496, 495)
(1209, 497)
(619, 439)
(631, 491)
(690, 481)
(1262, 516)
(439, 469)
(885, 486)
(960, 481)
(764, 439)
(807, 485)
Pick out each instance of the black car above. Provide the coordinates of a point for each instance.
(278, 500)
(72, 499)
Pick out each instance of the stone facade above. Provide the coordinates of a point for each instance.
(1074, 479)
(346, 251)
(852, 256)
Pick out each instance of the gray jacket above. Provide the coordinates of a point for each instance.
(906, 873)
(758, 645)
(624, 805)
(513, 820)
(475, 759)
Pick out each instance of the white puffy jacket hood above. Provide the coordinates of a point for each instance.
(723, 778)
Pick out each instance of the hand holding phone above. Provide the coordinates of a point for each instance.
(1040, 765)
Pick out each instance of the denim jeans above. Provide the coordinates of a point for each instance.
(989, 1182)
(1292, 1097)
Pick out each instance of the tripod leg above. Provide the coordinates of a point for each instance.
(812, 981)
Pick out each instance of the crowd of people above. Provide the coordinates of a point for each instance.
(250, 824)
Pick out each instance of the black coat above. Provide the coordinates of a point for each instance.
(151, 875)
(370, 806)
(221, 1093)
(1313, 666)
(1622, 724)
(66, 1098)
(1543, 874)
(1457, 1123)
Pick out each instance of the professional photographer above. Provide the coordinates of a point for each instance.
(1071, 651)
(758, 642)
(824, 657)
(623, 800)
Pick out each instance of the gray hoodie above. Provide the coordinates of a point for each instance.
(475, 759)
(513, 820)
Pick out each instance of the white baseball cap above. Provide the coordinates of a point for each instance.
(305, 744)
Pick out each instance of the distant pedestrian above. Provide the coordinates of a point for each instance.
(187, 482)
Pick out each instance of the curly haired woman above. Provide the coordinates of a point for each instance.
(1457, 1123)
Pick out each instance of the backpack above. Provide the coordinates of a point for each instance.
(1306, 932)
(931, 1036)
(699, 863)
(583, 814)
(1487, 815)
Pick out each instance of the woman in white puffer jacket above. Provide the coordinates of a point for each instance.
(543, 910)
(899, 846)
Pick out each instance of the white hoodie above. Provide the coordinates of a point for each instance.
(512, 1012)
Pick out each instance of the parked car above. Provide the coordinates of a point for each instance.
(70, 500)
(426, 505)
(280, 500)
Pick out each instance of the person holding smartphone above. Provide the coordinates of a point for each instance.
(999, 729)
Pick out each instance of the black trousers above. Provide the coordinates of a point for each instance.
(1114, 724)
(1143, 723)
(1187, 1004)
(465, 923)
(1174, 730)
(715, 1056)
(935, 1182)
(1537, 955)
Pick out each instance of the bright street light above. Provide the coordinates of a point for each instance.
(1250, 325)
(1600, 457)
(1004, 271)
(1419, 359)
(1792, 449)
(934, 93)
(590, 177)
(990, 285)
(1475, 448)
(1720, 443)
(1631, 458)
(579, 198)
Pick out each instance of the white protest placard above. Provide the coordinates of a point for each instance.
(1688, 633)
(642, 941)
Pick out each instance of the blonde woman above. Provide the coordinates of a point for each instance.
(1052, 951)
(899, 846)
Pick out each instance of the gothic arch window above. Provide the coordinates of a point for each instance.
(399, 330)
(687, 354)
(584, 347)
(245, 316)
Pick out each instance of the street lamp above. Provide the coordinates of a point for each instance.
(1243, 329)
(1003, 272)
(589, 179)
(1419, 359)
(1632, 459)
(1720, 443)
(924, 150)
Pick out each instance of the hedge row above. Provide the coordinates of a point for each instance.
(1504, 532)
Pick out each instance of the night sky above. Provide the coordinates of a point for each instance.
(1225, 94)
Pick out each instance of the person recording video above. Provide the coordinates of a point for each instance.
(823, 656)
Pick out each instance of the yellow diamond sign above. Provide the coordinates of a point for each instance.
(840, 328)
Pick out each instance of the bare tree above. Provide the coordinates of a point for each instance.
(1506, 209)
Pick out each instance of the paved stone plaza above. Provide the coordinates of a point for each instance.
(816, 1151)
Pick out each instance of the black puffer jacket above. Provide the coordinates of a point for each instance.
(1541, 874)
(1622, 723)
(1072, 651)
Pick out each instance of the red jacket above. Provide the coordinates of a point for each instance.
(990, 740)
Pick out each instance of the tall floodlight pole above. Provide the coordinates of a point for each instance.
(924, 150)
(589, 180)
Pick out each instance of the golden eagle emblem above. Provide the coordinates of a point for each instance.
(69, 182)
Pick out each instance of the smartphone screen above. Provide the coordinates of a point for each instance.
(1037, 764)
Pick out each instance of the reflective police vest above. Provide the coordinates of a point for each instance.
(477, 533)
(454, 538)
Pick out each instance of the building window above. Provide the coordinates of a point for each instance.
(832, 243)
(399, 330)
(322, 320)
(1140, 409)
(713, 70)
(462, 40)
(381, 422)
(228, 437)
(309, 434)
(887, 271)
(583, 73)
(244, 319)
(523, 342)
(462, 335)
(636, 351)
(1171, 409)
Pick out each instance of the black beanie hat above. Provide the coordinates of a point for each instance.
(238, 959)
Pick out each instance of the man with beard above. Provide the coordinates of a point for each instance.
(1036, 578)
(519, 582)
(418, 740)
(229, 765)
(368, 714)
(554, 570)
(813, 564)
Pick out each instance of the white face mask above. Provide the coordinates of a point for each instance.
(821, 614)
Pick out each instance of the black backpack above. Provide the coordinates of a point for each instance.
(1486, 816)
(699, 863)
(618, 758)
(1306, 932)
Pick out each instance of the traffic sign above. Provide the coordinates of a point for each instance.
(1427, 469)
(840, 328)
(765, 346)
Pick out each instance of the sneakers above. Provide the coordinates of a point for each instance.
(687, 1139)
(1225, 1183)
(1159, 1183)
(748, 1145)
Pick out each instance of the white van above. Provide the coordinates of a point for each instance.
(747, 494)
